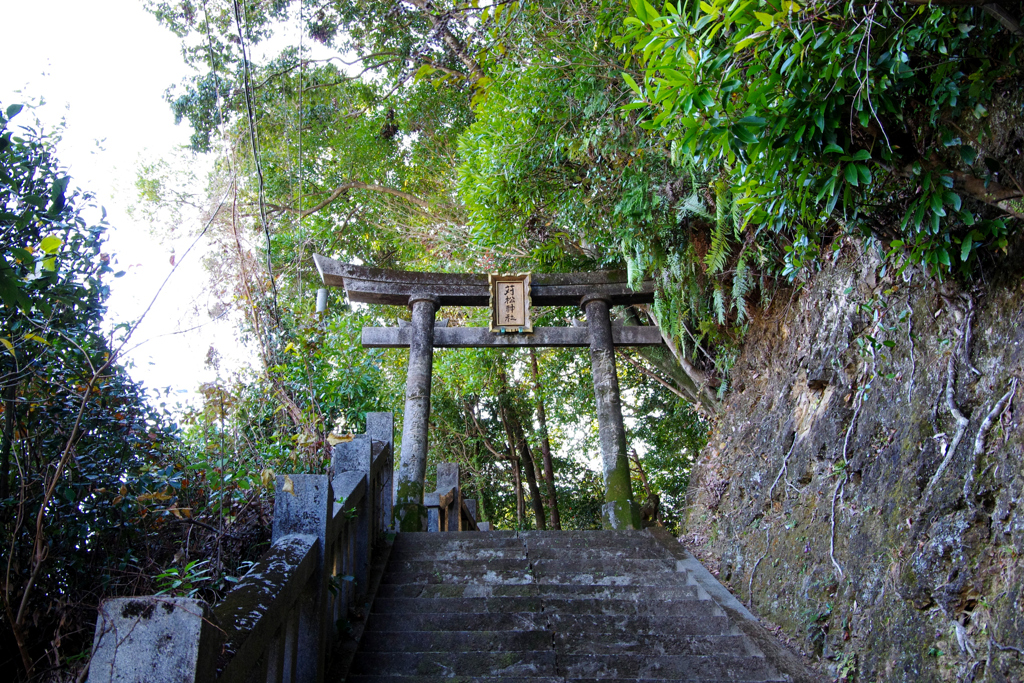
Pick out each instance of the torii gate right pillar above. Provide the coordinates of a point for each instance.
(619, 511)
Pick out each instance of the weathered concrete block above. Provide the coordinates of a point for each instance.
(302, 505)
(381, 427)
(352, 456)
(447, 476)
(154, 639)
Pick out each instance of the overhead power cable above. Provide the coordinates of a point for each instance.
(250, 111)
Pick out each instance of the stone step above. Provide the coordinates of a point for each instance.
(638, 625)
(480, 553)
(709, 623)
(533, 553)
(671, 680)
(448, 564)
(456, 641)
(529, 539)
(456, 605)
(447, 664)
(567, 643)
(664, 644)
(724, 667)
(665, 578)
(454, 679)
(721, 667)
(536, 679)
(586, 534)
(469, 621)
(454, 578)
(443, 590)
(587, 539)
(589, 553)
(602, 565)
(689, 607)
(495, 539)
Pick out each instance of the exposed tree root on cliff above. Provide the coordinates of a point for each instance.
(979, 440)
(767, 545)
(913, 360)
(840, 485)
(853, 423)
(782, 471)
(961, 421)
(965, 344)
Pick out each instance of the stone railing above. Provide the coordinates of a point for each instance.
(278, 624)
(447, 510)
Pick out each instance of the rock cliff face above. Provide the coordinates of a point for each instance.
(863, 485)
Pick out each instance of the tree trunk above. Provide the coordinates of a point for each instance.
(650, 511)
(517, 474)
(531, 473)
(453, 42)
(517, 482)
(10, 396)
(690, 380)
(545, 447)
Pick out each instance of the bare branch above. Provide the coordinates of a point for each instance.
(354, 185)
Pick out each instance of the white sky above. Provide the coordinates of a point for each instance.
(103, 67)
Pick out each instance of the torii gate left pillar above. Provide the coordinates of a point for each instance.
(410, 514)
(424, 293)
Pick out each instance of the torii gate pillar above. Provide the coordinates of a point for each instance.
(410, 514)
(620, 510)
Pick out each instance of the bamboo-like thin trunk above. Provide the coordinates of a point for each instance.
(517, 476)
(545, 447)
(10, 396)
(531, 473)
(517, 481)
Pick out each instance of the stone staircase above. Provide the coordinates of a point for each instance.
(553, 606)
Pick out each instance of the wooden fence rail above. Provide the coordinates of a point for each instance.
(278, 623)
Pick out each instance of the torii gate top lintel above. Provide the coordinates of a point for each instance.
(381, 286)
(424, 293)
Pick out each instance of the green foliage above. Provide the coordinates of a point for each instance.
(42, 239)
(183, 581)
(82, 451)
(806, 109)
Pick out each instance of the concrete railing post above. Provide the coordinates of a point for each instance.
(381, 427)
(620, 511)
(410, 514)
(355, 456)
(131, 631)
(303, 504)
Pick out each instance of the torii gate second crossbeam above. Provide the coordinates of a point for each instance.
(425, 293)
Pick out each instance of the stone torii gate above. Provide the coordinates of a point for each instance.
(510, 298)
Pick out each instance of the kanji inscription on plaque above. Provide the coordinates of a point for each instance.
(510, 303)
